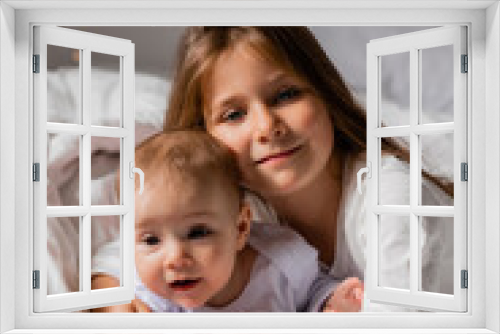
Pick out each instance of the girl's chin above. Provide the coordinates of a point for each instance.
(278, 189)
(280, 186)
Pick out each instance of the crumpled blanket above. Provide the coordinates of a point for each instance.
(63, 163)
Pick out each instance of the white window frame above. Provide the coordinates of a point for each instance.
(412, 44)
(124, 51)
(483, 20)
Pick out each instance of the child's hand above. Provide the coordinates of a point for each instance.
(348, 297)
(139, 306)
(104, 281)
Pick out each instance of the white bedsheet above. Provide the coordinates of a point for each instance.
(63, 162)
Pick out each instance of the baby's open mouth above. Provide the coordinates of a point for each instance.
(184, 285)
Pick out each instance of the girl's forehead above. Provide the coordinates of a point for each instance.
(245, 53)
(261, 52)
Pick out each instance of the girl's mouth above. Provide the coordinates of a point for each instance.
(184, 285)
(279, 156)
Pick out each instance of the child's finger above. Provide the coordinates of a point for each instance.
(358, 293)
(140, 306)
(350, 286)
(346, 285)
(348, 297)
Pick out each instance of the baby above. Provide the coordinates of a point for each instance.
(197, 250)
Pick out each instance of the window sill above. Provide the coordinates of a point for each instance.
(261, 331)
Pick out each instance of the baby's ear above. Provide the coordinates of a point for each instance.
(244, 224)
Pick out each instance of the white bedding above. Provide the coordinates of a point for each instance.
(63, 162)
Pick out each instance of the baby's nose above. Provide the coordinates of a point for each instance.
(177, 257)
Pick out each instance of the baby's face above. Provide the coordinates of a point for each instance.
(187, 238)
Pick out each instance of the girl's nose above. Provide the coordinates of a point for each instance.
(269, 126)
(177, 256)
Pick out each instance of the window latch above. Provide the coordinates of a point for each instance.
(133, 170)
(368, 171)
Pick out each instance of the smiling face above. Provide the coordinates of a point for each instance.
(188, 235)
(273, 121)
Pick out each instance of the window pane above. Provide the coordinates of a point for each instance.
(437, 163)
(436, 244)
(63, 170)
(63, 247)
(395, 89)
(106, 90)
(437, 84)
(394, 175)
(394, 251)
(105, 167)
(63, 85)
(107, 241)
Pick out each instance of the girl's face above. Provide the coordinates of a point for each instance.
(273, 121)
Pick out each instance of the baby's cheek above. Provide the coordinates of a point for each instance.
(220, 256)
(150, 271)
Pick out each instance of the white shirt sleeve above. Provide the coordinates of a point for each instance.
(323, 286)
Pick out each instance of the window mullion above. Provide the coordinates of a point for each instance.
(40, 155)
(127, 64)
(85, 161)
(414, 169)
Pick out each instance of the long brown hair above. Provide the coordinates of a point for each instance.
(294, 49)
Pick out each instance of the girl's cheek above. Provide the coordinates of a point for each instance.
(236, 138)
(309, 117)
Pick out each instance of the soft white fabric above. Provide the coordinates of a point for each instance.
(63, 154)
(284, 278)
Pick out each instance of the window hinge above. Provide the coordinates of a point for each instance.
(36, 63)
(36, 172)
(36, 279)
(465, 172)
(465, 64)
(465, 279)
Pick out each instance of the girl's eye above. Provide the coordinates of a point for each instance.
(286, 94)
(199, 232)
(234, 115)
(150, 240)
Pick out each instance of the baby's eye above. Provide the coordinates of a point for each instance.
(199, 232)
(150, 240)
(233, 115)
(286, 94)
